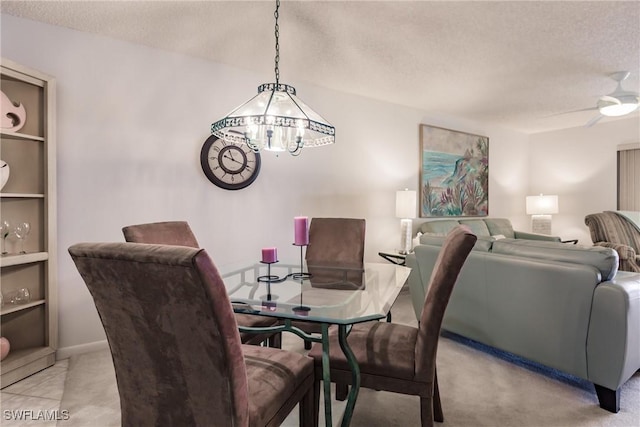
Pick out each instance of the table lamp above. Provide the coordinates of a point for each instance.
(541, 208)
(405, 210)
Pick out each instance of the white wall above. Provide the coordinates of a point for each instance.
(579, 165)
(132, 120)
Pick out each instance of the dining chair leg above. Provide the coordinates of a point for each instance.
(275, 341)
(316, 402)
(342, 390)
(437, 404)
(306, 409)
(426, 411)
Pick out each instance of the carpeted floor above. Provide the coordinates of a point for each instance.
(479, 387)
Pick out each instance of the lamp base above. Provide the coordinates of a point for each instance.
(405, 236)
(541, 224)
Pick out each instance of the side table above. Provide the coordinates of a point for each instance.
(393, 257)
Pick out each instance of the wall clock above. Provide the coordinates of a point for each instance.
(228, 165)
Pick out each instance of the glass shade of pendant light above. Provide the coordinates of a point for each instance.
(275, 119)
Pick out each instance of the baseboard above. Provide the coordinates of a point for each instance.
(74, 350)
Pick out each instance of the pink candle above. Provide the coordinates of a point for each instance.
(301, 230)
(269, 255)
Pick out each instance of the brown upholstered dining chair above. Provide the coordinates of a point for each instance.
(179, 233)
(175, 343)
(334, 257)
(400, 358)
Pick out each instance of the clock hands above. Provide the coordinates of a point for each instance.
(229, 156)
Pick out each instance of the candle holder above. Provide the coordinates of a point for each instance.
(269, 279)
(301, 274)
(269, 305)
(301, 310)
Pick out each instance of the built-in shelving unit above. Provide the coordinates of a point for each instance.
(29, 196)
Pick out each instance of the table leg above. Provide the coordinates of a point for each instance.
(355, 375)
(326, 375)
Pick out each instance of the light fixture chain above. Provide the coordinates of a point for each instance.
(276, 14)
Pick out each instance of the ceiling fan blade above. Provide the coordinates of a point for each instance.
(608, 98)
(593, 121)
(572, 111)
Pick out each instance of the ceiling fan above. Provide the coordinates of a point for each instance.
(618, 103)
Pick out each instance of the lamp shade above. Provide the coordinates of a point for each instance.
(406, 204)
(542, 205)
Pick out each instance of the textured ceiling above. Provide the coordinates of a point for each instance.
(511, 63)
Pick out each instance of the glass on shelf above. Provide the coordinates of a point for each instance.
(5, 230)
(20, 296)
(22, 231)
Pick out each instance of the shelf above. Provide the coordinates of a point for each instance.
(19, 259)
(11, 308)
(22, 195)
(30, 196)
(24, 362)
(23, 136)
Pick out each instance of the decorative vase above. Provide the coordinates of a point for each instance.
(5, 170)
(13, 114)
(4, 347)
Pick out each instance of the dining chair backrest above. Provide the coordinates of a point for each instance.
(161, 233)
(171, 330)
(335, 255)
(452, 256)
(178, 233)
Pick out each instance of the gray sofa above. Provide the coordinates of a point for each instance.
(483, 228)
(564, 306)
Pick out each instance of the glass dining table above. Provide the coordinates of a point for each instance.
(331, 295)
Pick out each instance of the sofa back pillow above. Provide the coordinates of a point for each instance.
(439, 227)
(477, 226)
(483, 244)
(604, 259)
(500, 226)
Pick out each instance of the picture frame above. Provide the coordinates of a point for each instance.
(454, 173)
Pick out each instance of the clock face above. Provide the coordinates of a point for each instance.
(228, 165)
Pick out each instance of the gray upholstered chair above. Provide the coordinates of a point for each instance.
(175, 342)
(179, 233)
(400, 358)
(613, 230)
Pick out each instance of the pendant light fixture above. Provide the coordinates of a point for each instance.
(275, 119)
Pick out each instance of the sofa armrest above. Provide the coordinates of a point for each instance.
(624, 252)
(613, 344)
(535, 236)
(629, 259)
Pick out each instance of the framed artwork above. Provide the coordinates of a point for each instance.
(454, 173)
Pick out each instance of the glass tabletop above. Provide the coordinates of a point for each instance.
(334, 294)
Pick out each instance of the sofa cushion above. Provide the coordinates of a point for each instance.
(483, 244)
(442, 227)
(477, 226)
(603, 259)
(500, 226)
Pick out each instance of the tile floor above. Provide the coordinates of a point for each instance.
(39, 392)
